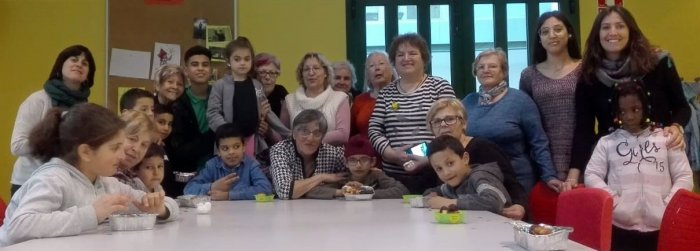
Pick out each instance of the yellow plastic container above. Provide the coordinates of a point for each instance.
(449, 218)
(261, 197)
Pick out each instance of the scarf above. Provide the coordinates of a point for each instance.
(614, 71)
(315, 103)
(62, 96)
(486, 96)
(245, 107)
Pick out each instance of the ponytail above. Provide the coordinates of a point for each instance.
(60, 133)
(44, 138)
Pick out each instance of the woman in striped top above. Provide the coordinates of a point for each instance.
(398, 121)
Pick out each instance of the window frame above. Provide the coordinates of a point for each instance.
(461, 31)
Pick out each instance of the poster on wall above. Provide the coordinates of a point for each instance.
(602, 4)
(164, 54)
(218, 36)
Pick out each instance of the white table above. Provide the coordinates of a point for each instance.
(301, 225)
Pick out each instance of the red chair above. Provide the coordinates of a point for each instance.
(3, 207)
(543, 204)
(681, 223)
(589, 212)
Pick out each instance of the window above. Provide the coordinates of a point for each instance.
(456, 31)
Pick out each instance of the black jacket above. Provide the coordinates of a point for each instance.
(188, 149)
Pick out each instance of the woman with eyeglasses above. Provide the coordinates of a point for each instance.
(303, 162)
(315, 74)
(268, 69)
(510, 119)
(398, 120)
(551, 83)
(448, 117)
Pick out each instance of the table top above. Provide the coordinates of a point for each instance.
(301, 225)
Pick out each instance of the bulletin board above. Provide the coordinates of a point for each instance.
(138, 24)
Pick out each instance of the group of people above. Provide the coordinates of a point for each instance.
(246, 135)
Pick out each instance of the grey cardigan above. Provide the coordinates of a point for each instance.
(220, 110)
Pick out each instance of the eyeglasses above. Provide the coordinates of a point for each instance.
(556, 30)
(449, 120)
(269, 73)
(307, 134)
(360, 161)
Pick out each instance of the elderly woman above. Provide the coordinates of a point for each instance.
(398, 119)
(267, 67)
(617, 51)
(344, 78)
(314, 74)
(378, 74)
(303, 162)
(509, 118)
(448, 117)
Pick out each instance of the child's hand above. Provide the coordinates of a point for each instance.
(264, 108)
(354, 184)
(224, 183)
(106, 205)
(436, 202)
(262, 128)
(152, 203)
(515, 212)
(218, 195)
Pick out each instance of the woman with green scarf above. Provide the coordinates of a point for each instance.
(68, 84)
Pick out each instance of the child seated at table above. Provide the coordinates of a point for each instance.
(72, 192)
(231, 175)
(476, 187)
(137, 99)
(149, 173)
(361, 161)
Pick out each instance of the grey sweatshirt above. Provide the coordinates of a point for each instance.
(57, 201)
(482, 190)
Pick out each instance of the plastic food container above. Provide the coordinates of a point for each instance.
(449, 218)
(558, 239)
(183, 176)
(361, 193)
(132, 222)
(192, 200)
(407, 198)
(417, 202)
(261, 197)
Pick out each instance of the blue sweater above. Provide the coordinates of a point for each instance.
(514, 124)
(251, 180)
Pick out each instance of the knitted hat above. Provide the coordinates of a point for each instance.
(359, 144)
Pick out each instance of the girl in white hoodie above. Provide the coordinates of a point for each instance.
(72, 192)
(642, 173)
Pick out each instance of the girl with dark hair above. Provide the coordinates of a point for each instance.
(239, 99)
(636, 167)
(72, 192)
(617, 51)
(68, 84)
(551, 83)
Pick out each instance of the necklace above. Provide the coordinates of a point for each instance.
(425, 77)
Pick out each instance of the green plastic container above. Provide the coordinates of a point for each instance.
(449, 218)
(407, 197)
(264, 198)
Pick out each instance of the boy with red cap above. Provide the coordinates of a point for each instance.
(361, 160)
